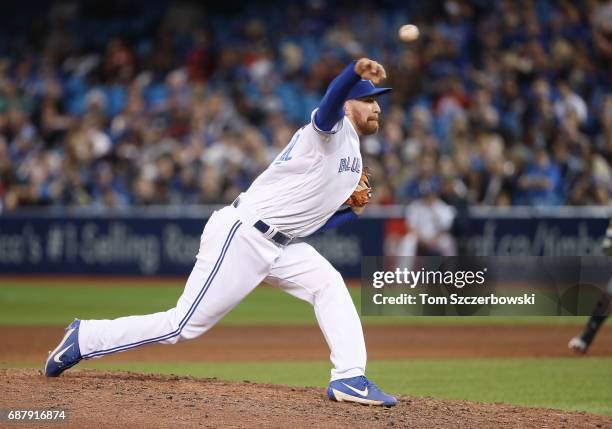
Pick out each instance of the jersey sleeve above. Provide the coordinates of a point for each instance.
(338, 218)
(337, 127)
(331, 108)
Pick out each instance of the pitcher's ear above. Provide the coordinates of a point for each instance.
(348, 107)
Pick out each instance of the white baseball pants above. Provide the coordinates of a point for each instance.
(232, 260)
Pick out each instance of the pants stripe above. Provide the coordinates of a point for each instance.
(191, 310)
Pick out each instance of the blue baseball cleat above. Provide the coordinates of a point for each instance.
(67, 354)
(360, 390)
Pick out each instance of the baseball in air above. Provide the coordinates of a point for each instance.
(408, 33)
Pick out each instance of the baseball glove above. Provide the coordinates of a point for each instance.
(363, 192)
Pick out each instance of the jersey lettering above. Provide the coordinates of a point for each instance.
(286, 155)
(348, 164)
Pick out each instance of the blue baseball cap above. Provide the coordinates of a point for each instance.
(365, 88)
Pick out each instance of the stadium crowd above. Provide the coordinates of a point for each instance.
(113, 104)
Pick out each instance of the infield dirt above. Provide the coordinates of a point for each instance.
(129, 400)
(30, 344)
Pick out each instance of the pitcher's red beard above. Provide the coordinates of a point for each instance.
(366, 126)
(370, 127)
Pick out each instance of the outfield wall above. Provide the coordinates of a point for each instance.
(161, 241)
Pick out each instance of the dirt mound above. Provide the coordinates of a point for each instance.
(120, 400)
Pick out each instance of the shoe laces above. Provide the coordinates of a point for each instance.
(367, 383)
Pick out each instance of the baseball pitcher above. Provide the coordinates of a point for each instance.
(316, 182)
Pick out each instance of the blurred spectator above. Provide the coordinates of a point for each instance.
(540, 183)
(568, 102)
(429, 221)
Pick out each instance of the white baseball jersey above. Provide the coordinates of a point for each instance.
(309, 180)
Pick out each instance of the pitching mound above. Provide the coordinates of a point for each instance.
(119, 400)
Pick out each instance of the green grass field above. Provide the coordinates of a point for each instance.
(566, 383)
(32, 304)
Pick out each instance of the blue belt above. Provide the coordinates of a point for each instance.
(264, 228)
